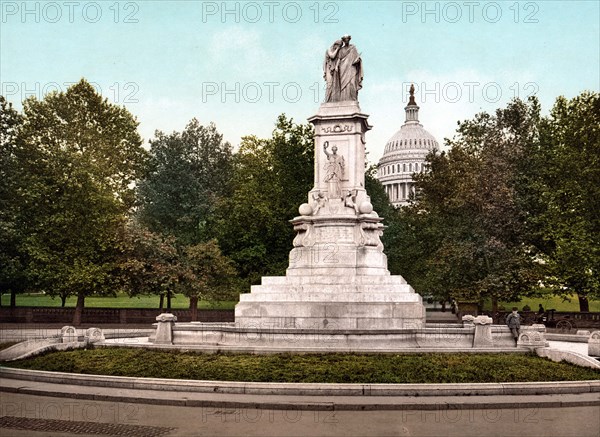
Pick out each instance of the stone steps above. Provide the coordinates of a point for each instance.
(328, 289)
(334, 280)
(260, 295)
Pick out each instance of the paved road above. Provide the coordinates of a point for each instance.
(52, 416)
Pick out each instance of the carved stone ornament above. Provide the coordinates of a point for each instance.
(304, 237)
(338, 128)
(166, 317)
(370, 234)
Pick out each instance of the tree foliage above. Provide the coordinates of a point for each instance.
(206, 274)
(468, 221)
(12, 256)
(150, 263)
(567, 184)
(271, 179)
(79, 156)
(188, 175)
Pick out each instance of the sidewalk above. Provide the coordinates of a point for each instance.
(42, 409)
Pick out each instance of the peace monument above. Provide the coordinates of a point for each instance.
(337, 275)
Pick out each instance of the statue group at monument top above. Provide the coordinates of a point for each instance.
(342, 71)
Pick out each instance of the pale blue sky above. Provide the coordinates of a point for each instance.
(169, 61)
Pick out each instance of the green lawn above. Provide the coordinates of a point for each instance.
(548, 302)
(320, 368)
(120, 301)
(182, 302)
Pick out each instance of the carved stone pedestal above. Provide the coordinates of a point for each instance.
(337, 276)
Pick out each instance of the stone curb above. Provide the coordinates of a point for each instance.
(305, 389)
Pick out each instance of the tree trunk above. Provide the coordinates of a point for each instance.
(495, 309)
(63, 300)
(194, 308)
(13, 298)
(584, 304)
(161, 302)
(78, 309)
(169, 301)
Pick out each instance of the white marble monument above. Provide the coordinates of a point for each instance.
(337, 276)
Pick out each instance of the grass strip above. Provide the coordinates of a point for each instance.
(320, 368)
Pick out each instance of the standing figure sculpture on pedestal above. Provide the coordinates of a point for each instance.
(334, 172)
(342, 71)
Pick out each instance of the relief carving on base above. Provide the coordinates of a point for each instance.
(350, 200)
(370, 234)
(319, 201)
(338, 128)
(304, 236)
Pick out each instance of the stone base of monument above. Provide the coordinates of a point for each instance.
(236, 337)
(331, 302)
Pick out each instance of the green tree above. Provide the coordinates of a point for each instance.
(188, 174)
(206, 274)
(81, 156)
(271, 180)
(150, 263)
(394, 231)
(468, 217)
(567, 185)
(12, 258)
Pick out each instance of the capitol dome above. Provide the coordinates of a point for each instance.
(404, 154)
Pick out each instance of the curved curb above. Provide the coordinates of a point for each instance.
(568, 356)
(305, 389)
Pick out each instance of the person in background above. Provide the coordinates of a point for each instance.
(513, 320)
(540, 316)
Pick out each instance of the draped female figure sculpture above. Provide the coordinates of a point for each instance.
(334, 171)
(342, 71)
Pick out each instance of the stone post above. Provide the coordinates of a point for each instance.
(483, 331)
(467, 321)
(93, 335)
(533, 337)
(68, 334)
(594, 344)
(164, 328)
